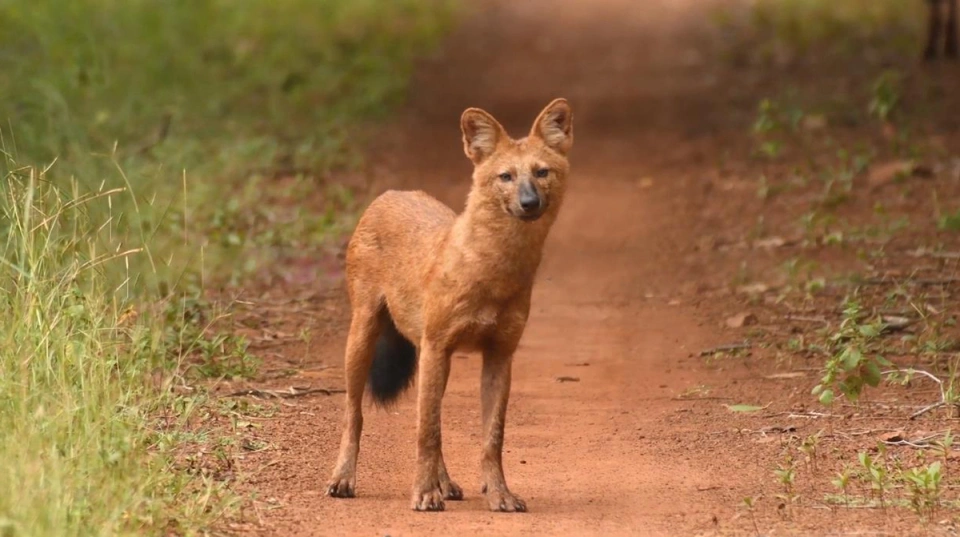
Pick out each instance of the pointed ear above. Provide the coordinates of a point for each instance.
(555, 126)
(481, 134)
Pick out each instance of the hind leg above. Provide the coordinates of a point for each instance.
(364, 329)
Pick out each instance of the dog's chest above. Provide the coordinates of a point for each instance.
(478, 326)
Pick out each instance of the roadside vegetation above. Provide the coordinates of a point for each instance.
(849, 280)
(150, 153)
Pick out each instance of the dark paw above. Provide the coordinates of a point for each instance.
(341, 488)
(428, 501)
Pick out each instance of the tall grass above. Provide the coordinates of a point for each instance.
(78, 448)
(136, 139)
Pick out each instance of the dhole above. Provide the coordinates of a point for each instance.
(424, 282)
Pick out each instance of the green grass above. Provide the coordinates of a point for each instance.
(140, 147)
(80, 448)
(198, 98)
(825, 29)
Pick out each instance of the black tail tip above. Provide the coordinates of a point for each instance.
(394, 363)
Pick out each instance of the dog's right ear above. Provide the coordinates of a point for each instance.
(481, 134)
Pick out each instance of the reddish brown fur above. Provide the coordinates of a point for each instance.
(455, 282)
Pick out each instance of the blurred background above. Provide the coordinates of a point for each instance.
(163, 162)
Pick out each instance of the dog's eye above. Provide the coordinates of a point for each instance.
(542, 172)
(506, 177)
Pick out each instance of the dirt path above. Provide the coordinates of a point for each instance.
(616, 305)
(591, 456)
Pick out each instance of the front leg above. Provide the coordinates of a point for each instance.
(495, 392)
(434, 371)
(449, 489)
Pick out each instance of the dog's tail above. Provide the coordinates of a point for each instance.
(394, 363)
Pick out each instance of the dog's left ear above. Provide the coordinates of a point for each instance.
(555, 126)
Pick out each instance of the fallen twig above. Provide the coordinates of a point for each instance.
(807, 319)
(939, 255)
(943, 394)
(919, 281)
(294, 391)
(926, 409)
(920, 443)
(725, 348)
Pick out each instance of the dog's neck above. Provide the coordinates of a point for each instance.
(491, 234)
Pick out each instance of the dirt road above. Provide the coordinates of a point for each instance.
(618, 305)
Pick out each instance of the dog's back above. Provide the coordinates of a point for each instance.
(390, 255)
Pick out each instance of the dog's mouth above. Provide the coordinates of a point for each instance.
(527, 216)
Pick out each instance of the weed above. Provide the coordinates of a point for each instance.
(923, 484)
(886, 90)
(842, 482)
(809, 449)
(943, 447)
(949, 221)
(750, 504)
(874, 473)
(786, 474)
(853, 363)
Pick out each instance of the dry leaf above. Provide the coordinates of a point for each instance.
(741, 319)
(753, 288)
(792, 375)
(892, 436)
(770, 242)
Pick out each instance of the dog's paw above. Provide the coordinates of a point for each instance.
(505, 502)
(341, 488)
(451, 491)
(431, 500)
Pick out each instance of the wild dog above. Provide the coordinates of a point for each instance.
(945, 23)
(424, 282)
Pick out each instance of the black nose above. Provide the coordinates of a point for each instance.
(529, 199)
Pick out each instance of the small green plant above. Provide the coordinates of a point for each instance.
(887, 90)
(949, 221)
(809, 449)
(750, 504)
(768, 117)
(944, 446)
(854, 363)
(842, 482)
(786, 474)
(874, 473)
(923, 485)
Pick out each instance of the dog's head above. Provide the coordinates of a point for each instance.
(524, 177)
